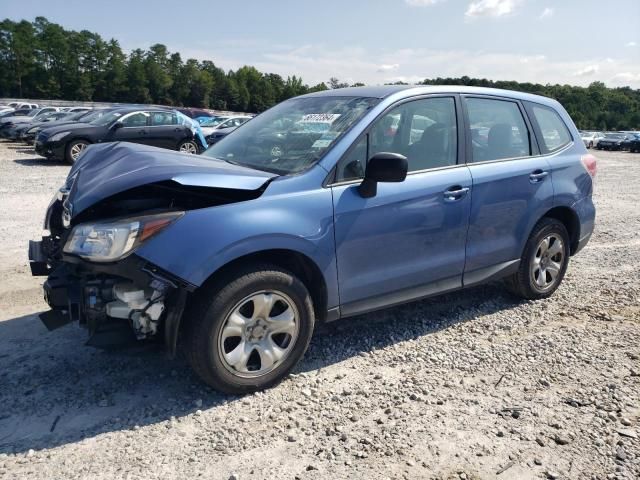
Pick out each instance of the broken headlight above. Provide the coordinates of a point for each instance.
(109, 241)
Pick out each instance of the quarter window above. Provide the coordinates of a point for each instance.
(555, 133)
(497, 129)
(424, 131)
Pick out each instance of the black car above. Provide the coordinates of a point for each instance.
(35, 114)
(634, 143)
(149, 126)
(30, 134)
(17, 131)
(626, 143)
(219, 134)
(611, 141)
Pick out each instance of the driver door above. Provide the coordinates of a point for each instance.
(408, 241)
(134, 129)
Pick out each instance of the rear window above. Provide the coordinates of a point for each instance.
(555, 134)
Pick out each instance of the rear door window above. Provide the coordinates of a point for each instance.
(498, 130)
(163, 118)
(555, 134)
(136, 120)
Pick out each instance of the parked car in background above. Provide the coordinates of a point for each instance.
(30, 133)
(34, 114)
(634, 144)
(194, 112)
(218, 135)
(612, 141)
(21, 105)
(17, 131)
(149, 126)
(628, 139)
(15, 113)
(208, 127)
(591, 139)
(242, 250)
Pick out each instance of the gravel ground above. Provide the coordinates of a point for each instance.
(468, 385)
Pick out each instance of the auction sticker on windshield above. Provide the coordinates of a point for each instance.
(319, 118)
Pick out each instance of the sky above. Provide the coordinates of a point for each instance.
(375, 41)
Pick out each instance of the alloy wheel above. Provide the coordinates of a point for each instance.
(258, 334)
(189, 147)
(547, 261)
(76, 150)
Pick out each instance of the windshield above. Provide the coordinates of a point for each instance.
(293, 135)
(616, 136)
(212, 122)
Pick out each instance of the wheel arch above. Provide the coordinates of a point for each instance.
(571, 222)
(294, 261)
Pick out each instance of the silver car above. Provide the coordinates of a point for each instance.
(591, 139)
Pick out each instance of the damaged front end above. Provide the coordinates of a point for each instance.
(96, 221)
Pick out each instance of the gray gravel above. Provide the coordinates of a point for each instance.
(469, 385)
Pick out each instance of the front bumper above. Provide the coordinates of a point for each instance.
(82, 292)
(50, 149)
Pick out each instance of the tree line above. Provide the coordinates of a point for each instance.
(41, 59)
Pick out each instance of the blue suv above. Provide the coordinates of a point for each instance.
(328, 205)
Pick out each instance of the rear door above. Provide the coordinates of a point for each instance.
(512, 185)
(164, 131)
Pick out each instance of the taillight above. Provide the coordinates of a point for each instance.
(590, 164)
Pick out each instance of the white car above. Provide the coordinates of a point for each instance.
(591, 139)
(209, 126)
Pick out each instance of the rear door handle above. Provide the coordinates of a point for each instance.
(537, 176)
(455, 193)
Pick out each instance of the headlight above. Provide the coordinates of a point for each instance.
(109, 241)
(33, 130)
(58, 136)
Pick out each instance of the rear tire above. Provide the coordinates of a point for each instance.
(74, 150)
(233, 339)
(188, 146)
(543, 262)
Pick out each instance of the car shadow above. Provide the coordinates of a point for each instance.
(56, 391)
(38, 162)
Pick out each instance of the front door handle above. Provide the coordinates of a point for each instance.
(455, 193)
(537, 176)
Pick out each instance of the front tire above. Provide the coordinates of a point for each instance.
(74, 150)
(248, 329)
(543, 262)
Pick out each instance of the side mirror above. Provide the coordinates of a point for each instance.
(116, 126)
(383, 167)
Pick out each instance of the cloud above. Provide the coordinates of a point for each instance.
(631, 44)
(588, 70)
(547, 12)
(388, 67)
(315, 63)
(626, 78)
(421, 3)
(491, 8)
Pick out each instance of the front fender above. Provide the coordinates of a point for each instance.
(204, 240)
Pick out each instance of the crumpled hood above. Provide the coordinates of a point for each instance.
(107, 169)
